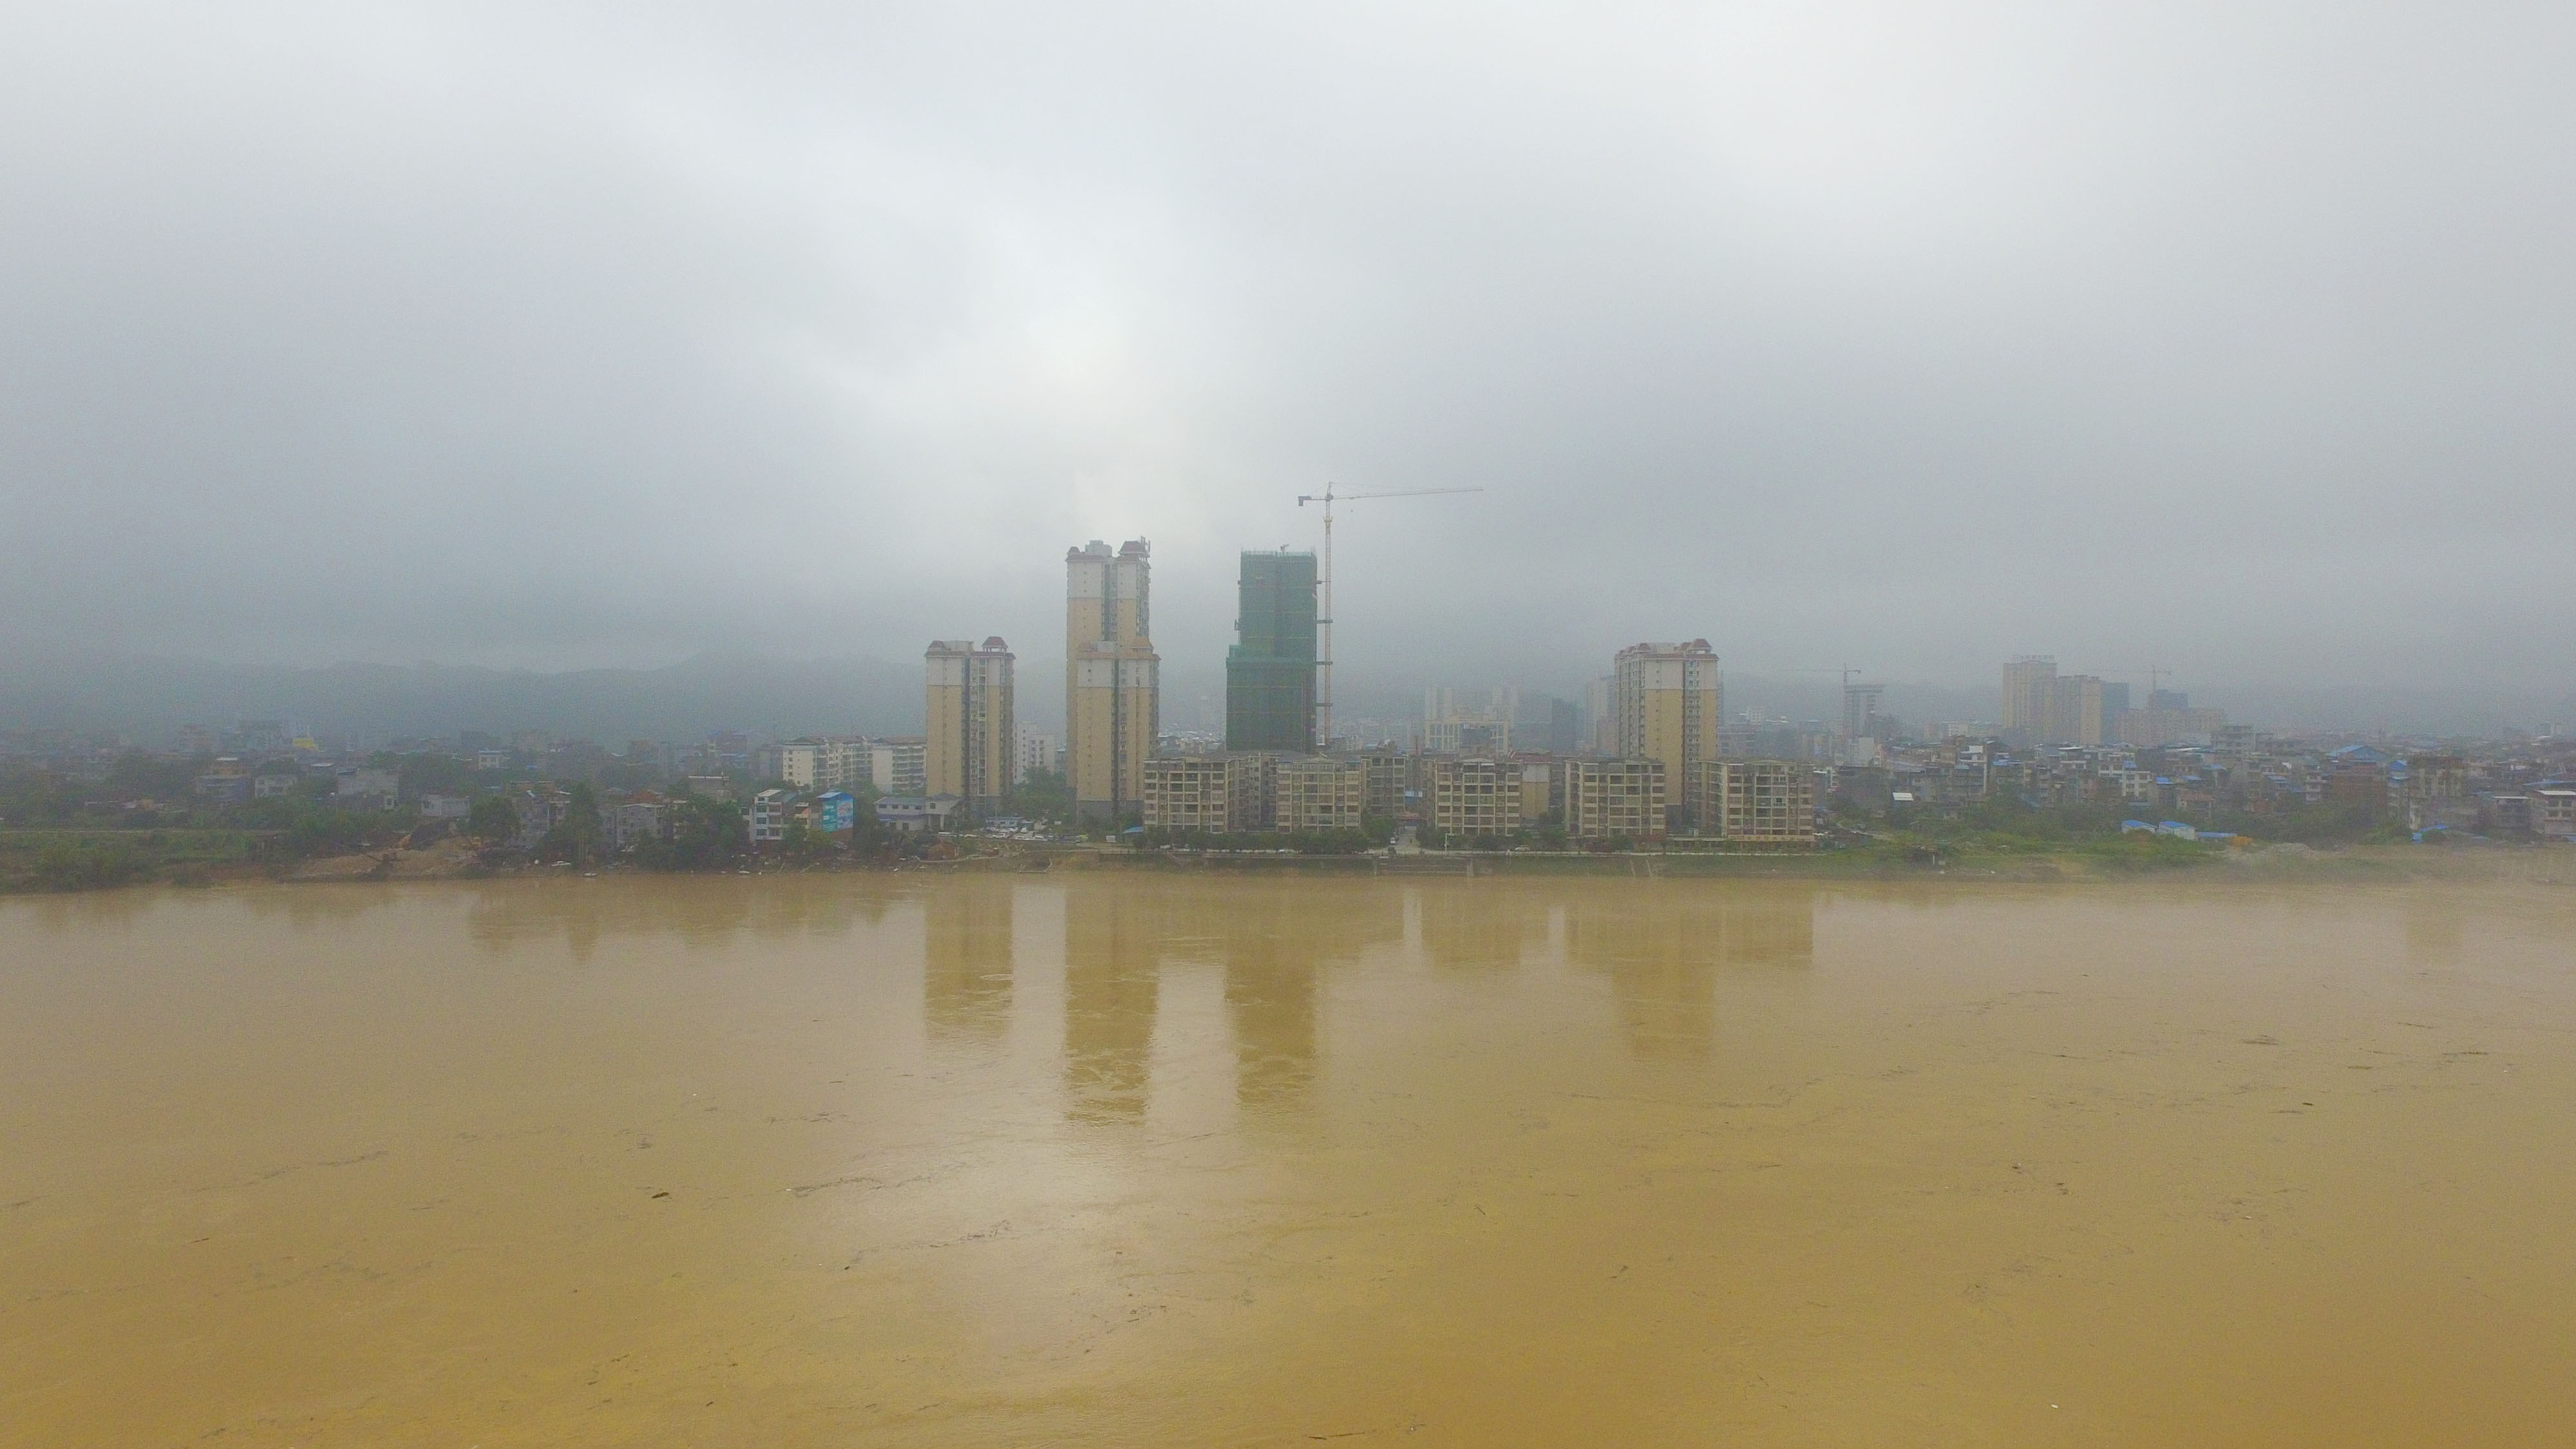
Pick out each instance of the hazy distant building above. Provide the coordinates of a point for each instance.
(1611, 799)
(1564, 727)
(2030, 692)
(1860, 711)
(1270, 673)
(1113, 678)
(970, 732)
(2079, 712)
(1468, 721)
(2148, 728)
(1038, 752)
(1666, 700)
(2042, 706)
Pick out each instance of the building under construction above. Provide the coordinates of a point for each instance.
(1270, 674)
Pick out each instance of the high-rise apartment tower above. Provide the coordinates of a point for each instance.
(1665, 700)
(1270, 675)
(2030, 695)
(1112, 678)
(970, 745)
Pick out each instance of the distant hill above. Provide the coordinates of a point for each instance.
(148, 698)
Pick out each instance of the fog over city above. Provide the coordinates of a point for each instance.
(2229, 340)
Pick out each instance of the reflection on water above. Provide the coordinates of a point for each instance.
(966, 957)
(1276, 949)
(1663, 964)
(1113, 944)
(1093, 1159)
(702, 911)
(1462, 927)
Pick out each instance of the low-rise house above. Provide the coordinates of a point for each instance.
(836, 811)
(2553, 812)
(2504, 813)
(359, 788)
(540, 810)
(626, 823)
(770, 812)
(225, 782)
(917, 814)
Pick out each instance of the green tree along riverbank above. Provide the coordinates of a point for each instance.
(140, 822)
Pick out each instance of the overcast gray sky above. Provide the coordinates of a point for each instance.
(2235, 339)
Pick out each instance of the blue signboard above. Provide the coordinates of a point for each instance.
(835, 810)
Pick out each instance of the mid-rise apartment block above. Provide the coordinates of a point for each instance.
(1471, 795)
(971, 733)
(1390, 777)
(1321, 792)
(1608, 799)
(1758, 802)
(1220, 794)
(1113, 678)
(843, 763)
(897, 765)
(813, 763)
(1540, 782)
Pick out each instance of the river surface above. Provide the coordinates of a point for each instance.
(1106, 1160)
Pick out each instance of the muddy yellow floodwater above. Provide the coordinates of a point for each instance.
(1150, 1161)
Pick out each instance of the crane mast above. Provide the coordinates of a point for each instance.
(1324, 597)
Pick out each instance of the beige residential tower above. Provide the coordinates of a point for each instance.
(1113, 678)
(971, 737)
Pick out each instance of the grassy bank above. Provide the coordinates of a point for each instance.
(71, 860)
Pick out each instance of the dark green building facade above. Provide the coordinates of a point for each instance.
(1270, 676)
